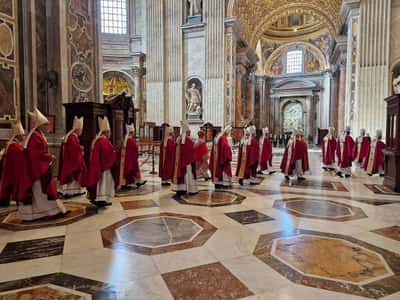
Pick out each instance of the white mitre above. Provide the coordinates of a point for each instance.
(37, 118)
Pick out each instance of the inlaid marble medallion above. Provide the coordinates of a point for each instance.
(157, 233)
(316, 185)
(380, 189)
(146, 189)
(32, 249)
(319, 209)
(249, 217)
(212, 281)
(211, 198)
(332, 262)
(77, 210)
(138, 204)
(392, 232)
(57, 286)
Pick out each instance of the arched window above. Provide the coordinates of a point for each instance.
(114, 16)
(294, 62)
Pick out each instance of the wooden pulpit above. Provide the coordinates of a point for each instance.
(392, 151)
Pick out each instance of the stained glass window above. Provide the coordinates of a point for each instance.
(114, 16)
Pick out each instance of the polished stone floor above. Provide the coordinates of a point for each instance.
(326, 238)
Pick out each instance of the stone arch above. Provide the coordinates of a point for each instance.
(304, 45)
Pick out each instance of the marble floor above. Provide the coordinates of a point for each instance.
(327, 238)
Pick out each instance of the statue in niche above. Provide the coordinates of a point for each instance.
(396, 85)
(194, 100)
(195, 8)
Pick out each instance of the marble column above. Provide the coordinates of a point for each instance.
(342, 98)
(240, 72)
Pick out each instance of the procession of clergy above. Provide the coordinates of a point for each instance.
(26, 164)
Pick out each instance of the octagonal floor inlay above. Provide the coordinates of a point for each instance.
(332, 262)
(47, 292)
(211, 198)
(313, 255)
(78, 211)
(158, 233)
(320, 209)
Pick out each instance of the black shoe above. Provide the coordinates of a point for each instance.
(331, 169)
(301, 178)
(59, 215)
(125, 188)
(381, 175)
(180, 193)
(347, 175)
(325, 169)
(254, 183)
(218, 186)
(287, 178)
(165, 184)
(370, 175)
(207, 179)
(241, 181)
(5, 203)
(272, 172)
(192, 194)
(260, 173)
(339, 174)
(139, 184)
(100, 203)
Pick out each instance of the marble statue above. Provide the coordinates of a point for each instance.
(193, 98)
(194, 8)
(396, 85)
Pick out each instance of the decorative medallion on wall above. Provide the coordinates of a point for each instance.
(82, 77)
(9, 64)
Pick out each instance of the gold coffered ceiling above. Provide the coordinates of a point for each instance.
(285, 19)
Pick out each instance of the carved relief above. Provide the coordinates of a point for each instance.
(81, 25)
(9, 64)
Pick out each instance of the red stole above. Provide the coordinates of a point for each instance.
(102, 158)
(288, 158)
(200, 151)
(344, 151)
(128, 162)
(11, 164)
(167, 156)
(361, 148)
(72, 163)
(37, 160)
(184, 156)
(301, 153)
(328, 150)
(375, 159)
(248, 158)
(221, 157)
(266, 154)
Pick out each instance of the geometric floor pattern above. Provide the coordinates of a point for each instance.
(319, 209)
(315, 241)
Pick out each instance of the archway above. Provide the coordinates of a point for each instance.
(117, 82)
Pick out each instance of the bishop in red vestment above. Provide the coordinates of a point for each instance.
(265, 161)
(184, 166)
(167, 156)
(37, 195)
(220, 160)
(129, 170)
(361, 147)
(345, 151)
(100, 178)
(295, 158)
(249, 151)
(375, 159)
(72, 167)
(201, 156)
(11, 164)
(328, 150)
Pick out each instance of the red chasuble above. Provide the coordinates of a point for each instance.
(301, 153)
(375, 159)
(248, 159)
(220, 160)
(128, 159)
(167, 157)
(344, 151)
(288, 161)
(102, 158)
(184, 156)
(200, 150)
(10, 172)
(37, 160)
(266, 154)
(361, 148)
(72, 163)
(329, 145)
